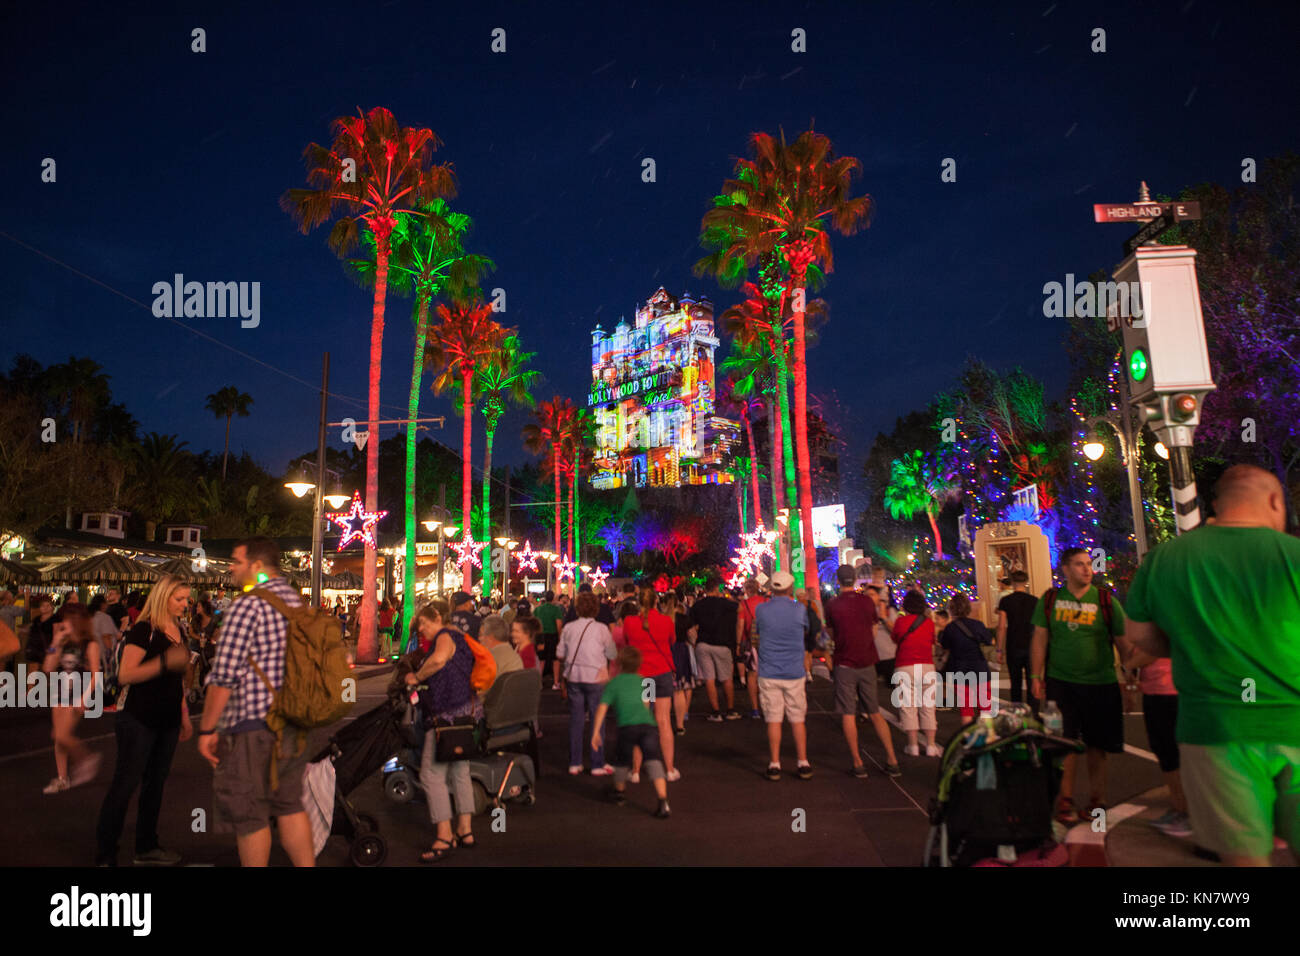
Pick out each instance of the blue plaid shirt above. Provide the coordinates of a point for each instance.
(251, 626)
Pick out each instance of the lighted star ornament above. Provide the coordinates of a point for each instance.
(564, 569)
(527, 558)
(469, 550)
(597, 577)
(357, 524)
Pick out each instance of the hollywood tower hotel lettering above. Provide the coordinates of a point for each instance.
(652, 395)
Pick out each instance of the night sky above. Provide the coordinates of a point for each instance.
(171, 161)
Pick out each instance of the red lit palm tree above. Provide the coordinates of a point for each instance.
(734, 394)
(785, 198)
(545, 437)
(465, 341)
(373, 171)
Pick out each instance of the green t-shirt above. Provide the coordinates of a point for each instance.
(549, 614)
(1229, 601)
(623, 695)
(1078, 645)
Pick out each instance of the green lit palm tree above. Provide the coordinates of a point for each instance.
(226, 403)
(920, 483)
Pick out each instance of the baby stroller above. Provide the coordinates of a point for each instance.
(998, 781)
(506, 769)
(361, 748)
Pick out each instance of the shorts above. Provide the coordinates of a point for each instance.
(715, 661)
(1093, 713)
(665, 684)
(1160, 713)
(853, 684)
(783, 699)
(645, 736)
(1240, 794)
(241, 784)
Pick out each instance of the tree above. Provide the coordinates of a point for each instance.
(466, 338)
(375, 170)
(545, 437)
(226, 403)
(614, 535)
(160, 479)
(733, 395)
(505, 378)
(428, 260)
(921, 483)
(784, 199)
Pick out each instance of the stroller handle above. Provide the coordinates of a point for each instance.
(1064, 743)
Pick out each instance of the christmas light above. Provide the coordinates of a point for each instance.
(527, 558)
(468, 550)
(598, 577)
(564, 569)
(357, 523)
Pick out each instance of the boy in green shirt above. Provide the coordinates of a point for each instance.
(1080, 674)
(1223, 602)
(625, 695)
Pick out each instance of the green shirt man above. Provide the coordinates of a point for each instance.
(1079, 640)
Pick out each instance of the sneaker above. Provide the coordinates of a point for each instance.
(157, 857)
(773, 771)
(634, 778)
(933, 750)
(680, 731)
(893, 769)
(86, 770)
(575, 770)
(605, 771)
(617, 797)
(1173, 824)
(807, 676)
(860, 771)
(912, 750)
(756, 715)
(57, 785)
(715, 718)
(805, 771)
(673, 775)
(733, 715)
(555, 687)
(664, 811)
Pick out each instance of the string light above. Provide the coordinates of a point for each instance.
(469, 550)
(357, 523)
(564, 569)
(527, 558)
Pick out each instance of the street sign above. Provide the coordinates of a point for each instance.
(1149, 232)
(1144, 211)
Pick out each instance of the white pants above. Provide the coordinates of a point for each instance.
(916, 693)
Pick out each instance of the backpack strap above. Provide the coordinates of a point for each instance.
(1105, 599)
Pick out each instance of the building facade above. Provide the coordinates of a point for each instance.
(653, 399)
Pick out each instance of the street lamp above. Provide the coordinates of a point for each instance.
(1122, 424)
(1093, 447)
(301, 485)
(1162, 451)
(509, 545)
(449, 530)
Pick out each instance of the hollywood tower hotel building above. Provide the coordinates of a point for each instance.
(653, 399)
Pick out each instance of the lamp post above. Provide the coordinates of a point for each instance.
(1122, 422)
(449, 531)
(509, 545)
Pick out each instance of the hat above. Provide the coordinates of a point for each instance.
(460, 597)
(782, 581)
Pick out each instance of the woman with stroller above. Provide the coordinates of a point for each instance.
(74, 651)
(450, 695)
(653, 634)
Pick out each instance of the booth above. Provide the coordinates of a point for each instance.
(1002, 547)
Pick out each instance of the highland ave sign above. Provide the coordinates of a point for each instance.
(1144, 211)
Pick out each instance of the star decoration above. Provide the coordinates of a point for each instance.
(527, 558)
(597, 577)
(469, 550)
(737, 579)
(760, 541)
(564, 569)
(356, 524)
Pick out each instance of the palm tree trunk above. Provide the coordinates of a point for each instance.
(753, 468)
(801, 432)
(938, 542)
(412, 413)
(485, 526)
(226, 453)
(778, 491)
(466, 493)
(576, 514)
(555, 455)
(573, 493)
(368, 639)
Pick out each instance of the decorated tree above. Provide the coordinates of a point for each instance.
(922, 483)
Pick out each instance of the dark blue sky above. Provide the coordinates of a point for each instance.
(171, 161)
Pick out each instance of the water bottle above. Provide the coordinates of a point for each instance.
(1053, 722)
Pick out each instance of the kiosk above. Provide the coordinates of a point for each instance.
(1000, 548)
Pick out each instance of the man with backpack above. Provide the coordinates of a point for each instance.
(1072, 662)
(253, 653)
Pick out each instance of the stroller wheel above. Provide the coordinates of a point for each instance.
(367, 824)
(400, 786)
(368, 850)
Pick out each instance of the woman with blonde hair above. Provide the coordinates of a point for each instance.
(151, 719)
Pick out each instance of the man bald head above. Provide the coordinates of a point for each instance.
(1249, 496)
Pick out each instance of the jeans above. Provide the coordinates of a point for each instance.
(144, 758)
(583, 701)
(443, 782)
(1018, 666)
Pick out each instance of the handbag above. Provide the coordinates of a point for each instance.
(455, 739)
(410, 722)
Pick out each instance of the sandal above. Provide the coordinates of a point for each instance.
(466, 841)
(435, 852)
(1066, 811)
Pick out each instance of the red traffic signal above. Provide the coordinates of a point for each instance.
(1183, 407)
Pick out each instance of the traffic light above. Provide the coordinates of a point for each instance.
(1184, 409)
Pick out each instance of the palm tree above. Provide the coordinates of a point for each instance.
(375, 170)
(733, 395)
(784, 199)
(615, 535)
(920, 482)
(466, 339)
(577, 448)
(226, 403)
(545, 438)
(160, 478)
(505, 378)
(429, 259)
(79, 389)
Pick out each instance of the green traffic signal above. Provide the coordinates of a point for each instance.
(1138, 365)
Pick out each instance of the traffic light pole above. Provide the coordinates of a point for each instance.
(1130, 441)
(1183, 483)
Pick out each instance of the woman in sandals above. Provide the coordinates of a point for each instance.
(653, 634)
(74, 651)
(446, 672)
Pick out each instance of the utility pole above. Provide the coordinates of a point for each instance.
(317, 532)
